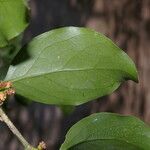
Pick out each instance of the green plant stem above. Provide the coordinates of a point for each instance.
(15, 131)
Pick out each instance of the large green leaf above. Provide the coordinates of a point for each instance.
(70, 66)
(108, 131)
(13, 19)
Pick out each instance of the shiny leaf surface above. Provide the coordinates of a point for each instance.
(108, 131)
(70, 66)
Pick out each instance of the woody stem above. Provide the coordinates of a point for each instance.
(15, 131)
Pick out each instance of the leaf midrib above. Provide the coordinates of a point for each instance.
(67, 70)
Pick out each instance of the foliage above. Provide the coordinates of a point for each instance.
(68, 66)
(108, 131)
(13, 21)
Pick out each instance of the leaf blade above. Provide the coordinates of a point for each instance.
(111, 131)
(13, 20)
(70, 66)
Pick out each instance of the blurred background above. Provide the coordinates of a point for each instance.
(127, 23)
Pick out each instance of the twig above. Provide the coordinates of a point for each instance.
(4, 118)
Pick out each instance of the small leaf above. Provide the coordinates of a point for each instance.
(108, 131)
(70, 66)
(13, 19)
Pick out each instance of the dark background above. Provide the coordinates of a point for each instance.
(127, 23)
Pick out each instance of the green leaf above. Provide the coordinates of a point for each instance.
(108, 131)
(13, 19)
(70, 66)
(7, 54)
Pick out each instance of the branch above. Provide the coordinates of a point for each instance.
(15, 131)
